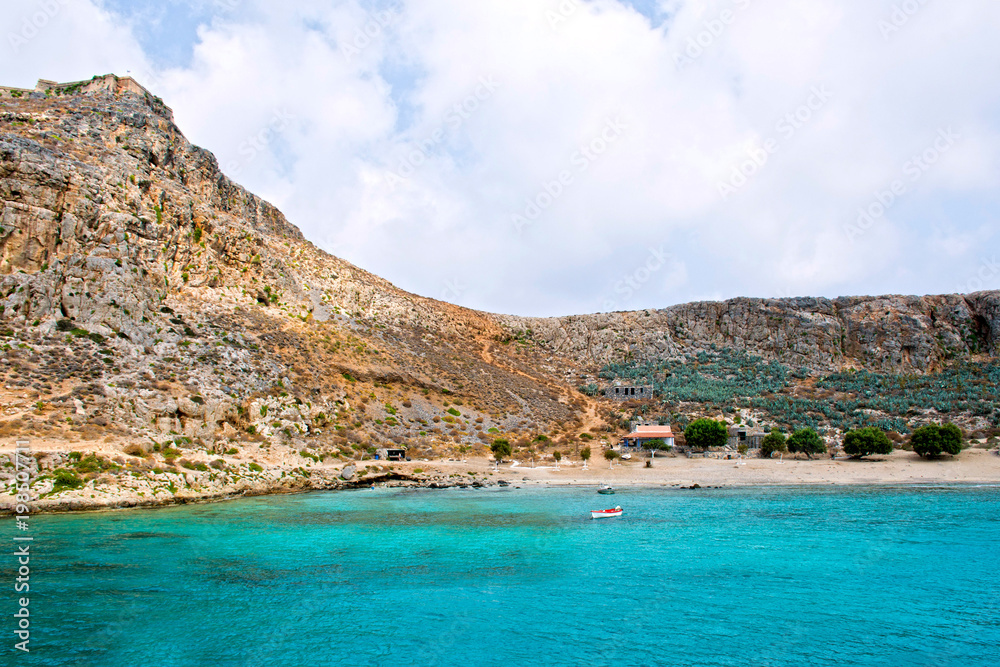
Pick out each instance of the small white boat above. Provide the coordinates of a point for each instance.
(605, 514)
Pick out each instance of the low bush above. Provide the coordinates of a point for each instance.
(932, 440)
(867, 441)
(65, 479)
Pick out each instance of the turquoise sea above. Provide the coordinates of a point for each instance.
(764, 576)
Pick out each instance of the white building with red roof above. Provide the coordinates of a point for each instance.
(642, 434)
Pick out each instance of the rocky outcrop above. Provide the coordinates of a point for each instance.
(897, 333)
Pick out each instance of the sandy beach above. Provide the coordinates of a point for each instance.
(973, 466)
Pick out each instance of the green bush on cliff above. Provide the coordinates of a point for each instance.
(65, 479)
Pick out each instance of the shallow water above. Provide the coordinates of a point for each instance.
(772, 576)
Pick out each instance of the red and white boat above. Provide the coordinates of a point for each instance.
(605, 514)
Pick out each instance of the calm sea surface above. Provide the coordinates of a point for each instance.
(877, 576)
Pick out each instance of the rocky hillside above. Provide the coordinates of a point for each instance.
(150, 304)
(885, 333)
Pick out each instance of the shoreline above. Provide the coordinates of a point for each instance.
(972, 468)
(208, 500)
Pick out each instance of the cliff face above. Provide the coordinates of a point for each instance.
(885, 333)
(144, 295)
(180, 303)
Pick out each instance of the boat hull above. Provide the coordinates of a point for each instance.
(605, 514)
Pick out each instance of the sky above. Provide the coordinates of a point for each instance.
(554, 157)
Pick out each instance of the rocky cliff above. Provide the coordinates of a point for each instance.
(885, 333)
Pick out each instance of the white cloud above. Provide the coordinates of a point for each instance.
(363, 109)
(63, 40)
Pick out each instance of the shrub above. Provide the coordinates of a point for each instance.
(705, 433)
(65, 479)
(500, 448)
(806, 441)
(867, 441)
(134, 450)
(773, 442)
(454, 412)
(932, 440)
(657, 444)
(256, 467)
(91, 463)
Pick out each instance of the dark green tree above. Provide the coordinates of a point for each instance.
(932, 440)
(951, 439)
(806, 441)
(705, 433)
(772, 442)
(656, 445)
(611, 455)
(501, 449)
(867, 441)
(585, 454)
